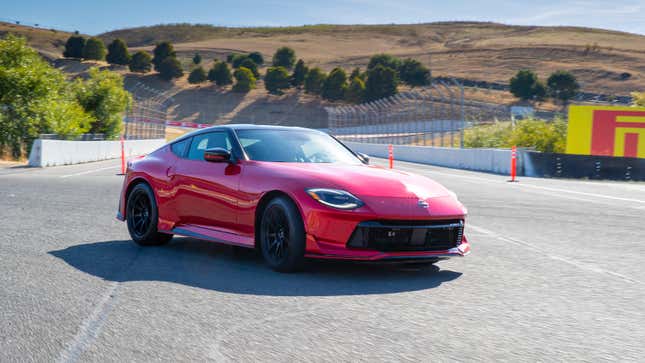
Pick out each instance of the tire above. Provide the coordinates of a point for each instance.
(282, 236)
(142, 217)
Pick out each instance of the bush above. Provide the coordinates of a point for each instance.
(563, 86)
(356, 72)
(299, 73)
(161, 52)
(386, 60)
(250, 64)
(541, 135)
(102, 96)
(197, 75)
(525, 85)
(284, 57)
(414, 73)
(230, 57)
(314, 81)
(237, 60)
(276, 80)
(244, 80)
(94, 49)
(220, 74)
(74, 47)
(257, 58)
(197, 59)
(141, 62)
(118, 53)
(381, 82)
(170, 68)
(335, 85)
(355, 92)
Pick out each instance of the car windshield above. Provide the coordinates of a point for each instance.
(296, 146)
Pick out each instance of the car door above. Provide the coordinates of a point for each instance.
(207, 191)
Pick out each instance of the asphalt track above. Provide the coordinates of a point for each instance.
(557, 273)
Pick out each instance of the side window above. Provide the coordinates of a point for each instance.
(208, 141)
(179, 148)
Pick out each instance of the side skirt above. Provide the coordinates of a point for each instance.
(211, 235)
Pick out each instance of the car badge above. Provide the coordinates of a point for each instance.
(423, 204)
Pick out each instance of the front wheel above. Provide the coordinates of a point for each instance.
(142, 216)
(282, 235)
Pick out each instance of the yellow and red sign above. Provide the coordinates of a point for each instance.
(606, 131)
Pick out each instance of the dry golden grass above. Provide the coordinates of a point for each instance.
(50, 43)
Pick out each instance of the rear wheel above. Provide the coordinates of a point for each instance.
(282, 235)
(142, 216)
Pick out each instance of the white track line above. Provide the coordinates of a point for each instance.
(567, 260)
(90, 171)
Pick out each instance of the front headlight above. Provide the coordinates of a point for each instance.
(335, 198)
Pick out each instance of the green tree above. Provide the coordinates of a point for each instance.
(102, 96)
(284, 57)
(162, 51)
(197, 59)
(141, 62)
(356, 72)
(276, 80)
(118, 53)
(94, 49)
(526, 86)
(381, 82)
(237, 60)
(257, 58)
(244, 80)
(170, 68)
(230, 57)
(250, 64)
(386, 60)
(299, 73)
(314, 81)
(74, 47)
(220, 74)
(413, 73)
(355, 92)
(197, 75)
(563, 86)
(335, 85)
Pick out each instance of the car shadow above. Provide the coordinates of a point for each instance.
(211, 266)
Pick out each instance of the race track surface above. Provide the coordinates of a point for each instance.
(557, 273)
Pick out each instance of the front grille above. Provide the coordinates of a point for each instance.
(394, 236)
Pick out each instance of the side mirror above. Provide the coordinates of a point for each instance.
(217, 155)
(364, 158)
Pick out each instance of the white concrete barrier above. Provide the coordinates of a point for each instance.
(61, 152)
(489, 160)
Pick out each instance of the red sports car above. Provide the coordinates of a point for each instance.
(291, 193)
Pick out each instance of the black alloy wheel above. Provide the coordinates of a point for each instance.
(142, 216)
(282, 235)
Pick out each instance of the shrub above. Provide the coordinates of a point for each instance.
(161, 52)
(299, 73)
(250, 64)
(541, 135)
(386, 60)
(197, 75)
(74, 47)
(257, 58)
(414, 73)
(356, 72)
(94, 49)
(355, 92)
(230, 57)
(525, 85)
(314, 81)
(170, 68)
(276, 80)
(244, 80)
(197, 59)
(284, 57)
(118, 53)
(381, 82)
(220, 74)
(237, 60)
(563, 86)
(335, 85)
(141, 62)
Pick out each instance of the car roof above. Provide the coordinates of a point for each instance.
(236, 127)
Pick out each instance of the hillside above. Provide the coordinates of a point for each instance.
(50, 43)
(604, 61)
